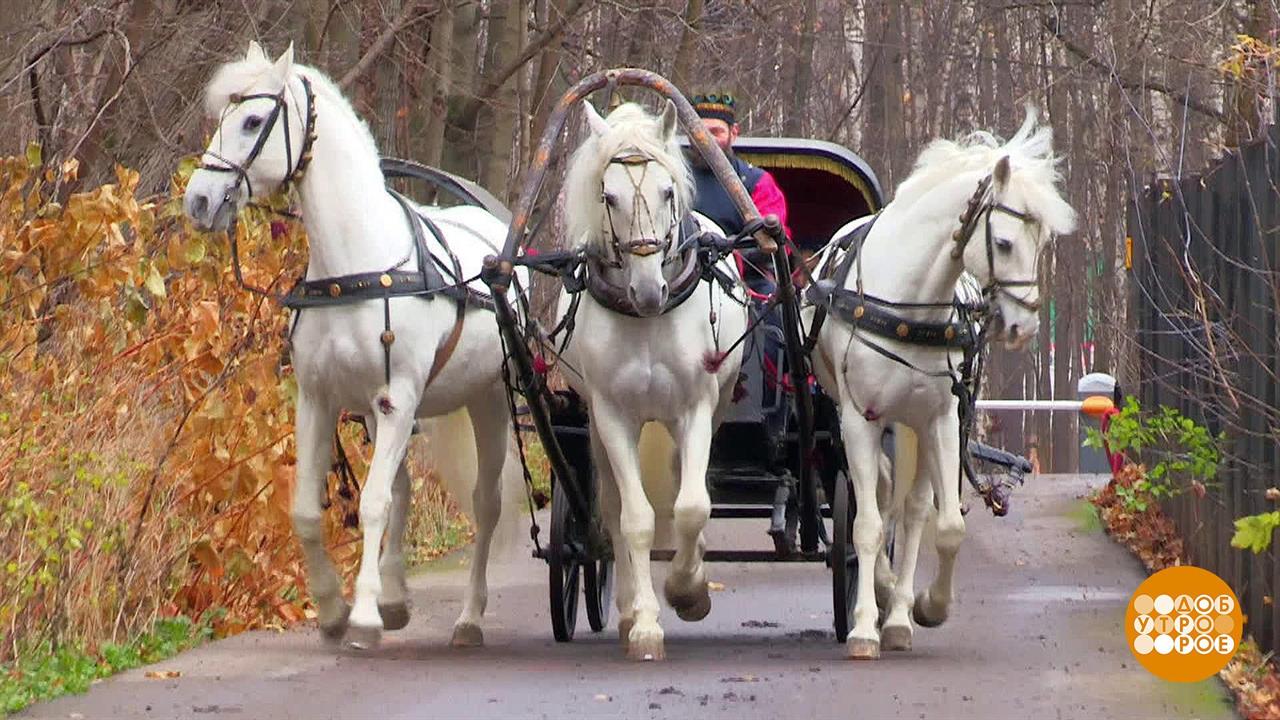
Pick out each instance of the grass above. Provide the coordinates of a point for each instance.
(46, 672)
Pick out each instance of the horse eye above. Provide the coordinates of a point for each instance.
(668, 193)
(1004, 245)
(253, 122)
(611, 199)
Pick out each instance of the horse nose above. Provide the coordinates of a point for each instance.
(198, 205)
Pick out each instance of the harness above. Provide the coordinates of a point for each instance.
(427, 281)
(683, 269)
(883, 319)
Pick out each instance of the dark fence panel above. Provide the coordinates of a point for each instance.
(1204, 291)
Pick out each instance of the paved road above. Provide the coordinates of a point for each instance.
(1037, 632)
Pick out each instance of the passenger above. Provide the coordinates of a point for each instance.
(718, 113)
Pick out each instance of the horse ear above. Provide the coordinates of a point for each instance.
(284, 65)
(597, 123)
(256, 52)
(669, 121)
(1001, 172)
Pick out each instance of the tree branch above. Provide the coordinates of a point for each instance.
(1055, 28)
(409, 14)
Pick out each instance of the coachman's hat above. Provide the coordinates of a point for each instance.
(717, 106)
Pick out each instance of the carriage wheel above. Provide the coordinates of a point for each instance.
(844, 562)
(562, 559)
(597, 585)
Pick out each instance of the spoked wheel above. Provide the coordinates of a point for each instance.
(566, 571)
(844, 562)
(597, 584)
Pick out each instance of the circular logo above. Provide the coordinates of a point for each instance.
(1183, 624)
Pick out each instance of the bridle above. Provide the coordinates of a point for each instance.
(280, 106)
(981, 206)
(638, 246)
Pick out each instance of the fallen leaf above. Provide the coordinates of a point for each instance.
(714, 586)
(163, 674)
(1273, 493)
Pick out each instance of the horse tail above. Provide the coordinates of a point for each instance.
(657, 473)
(906, 450)
(457, 468)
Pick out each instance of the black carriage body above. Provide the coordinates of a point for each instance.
(826, 186)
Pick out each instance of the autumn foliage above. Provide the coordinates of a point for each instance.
(146, 447)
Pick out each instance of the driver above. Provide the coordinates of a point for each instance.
(718, 113)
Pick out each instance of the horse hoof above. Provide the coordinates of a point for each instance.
(362, 637)
(333, 632)
(624, 630)
(691, 601)
(896, 637)
(700, 608)
(861, 649)
(394, 616)
(647, 647)
(466, 635)
(925, 614)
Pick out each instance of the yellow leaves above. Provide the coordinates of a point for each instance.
(34, 156)
(154, 281)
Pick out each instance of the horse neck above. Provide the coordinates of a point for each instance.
(353, 224)
(907, 257)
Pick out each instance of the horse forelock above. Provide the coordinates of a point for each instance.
(631, 130)
(1031, 158)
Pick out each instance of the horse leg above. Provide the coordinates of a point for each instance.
(620, 438)
(315, 426)
(885, 579)
(862, 450)
(611, 515)
(897, 630)
(393, 605)
(490, 422)
(942, 464)
(686, 586)
(394, 426)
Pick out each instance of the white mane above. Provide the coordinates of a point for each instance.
(631, 129)
(1030, 153)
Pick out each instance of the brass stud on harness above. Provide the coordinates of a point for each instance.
(949, 333)
(387, 338)
(858, 312)
(335, 290)
(903, 330)
(385, 280)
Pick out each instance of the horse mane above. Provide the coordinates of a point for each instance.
(238, 76)
(632, 129)
(1031, 158)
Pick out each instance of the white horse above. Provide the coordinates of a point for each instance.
(915, 253)
(392, 360)
(627, 191)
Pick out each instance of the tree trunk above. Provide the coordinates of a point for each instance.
(507, 22)
(681, 73)
(432, 113)
(802, 72)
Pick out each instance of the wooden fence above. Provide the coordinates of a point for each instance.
(1204, 290)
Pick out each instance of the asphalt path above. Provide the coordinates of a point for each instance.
(1036, 632)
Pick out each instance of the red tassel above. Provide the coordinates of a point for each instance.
(712, 361)
(531, 252)
(540, 365)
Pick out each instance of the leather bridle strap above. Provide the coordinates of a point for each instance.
(280, 107)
